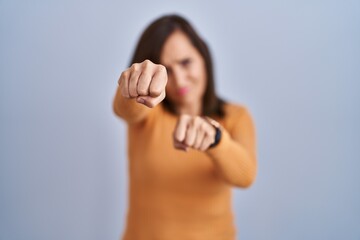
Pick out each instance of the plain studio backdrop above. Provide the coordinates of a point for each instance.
(294, 64)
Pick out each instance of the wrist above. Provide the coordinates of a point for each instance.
(218, 132)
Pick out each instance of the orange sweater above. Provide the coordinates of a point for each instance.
(183, 195)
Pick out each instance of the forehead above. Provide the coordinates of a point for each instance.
(176, 48)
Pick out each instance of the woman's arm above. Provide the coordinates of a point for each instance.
(141, 87)
(129, 109)
(235, 155)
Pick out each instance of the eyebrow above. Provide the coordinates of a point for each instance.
(178, 61)
(184, 59)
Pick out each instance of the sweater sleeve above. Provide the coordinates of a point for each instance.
(128, 109)
(235, 155)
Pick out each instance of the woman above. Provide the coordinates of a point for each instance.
(186, 150)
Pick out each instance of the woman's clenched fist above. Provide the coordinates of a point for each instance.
(144, 82)
(194, 132)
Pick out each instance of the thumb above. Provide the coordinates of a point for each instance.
(150, 101)
(146, 100)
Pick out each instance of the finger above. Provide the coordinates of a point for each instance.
(180, 146)
(123, 84)
(190, 135)
(180, 129)
(209, 137)
(150, 101)
(144, 83)
(134, 78)
(199, 137)
(208, 140)
(193, 129)
(158, 82)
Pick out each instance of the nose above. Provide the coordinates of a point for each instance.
(178, 77)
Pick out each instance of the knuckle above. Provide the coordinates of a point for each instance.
(147, 65)
(135, 67)
(161, 68)
(124, 75)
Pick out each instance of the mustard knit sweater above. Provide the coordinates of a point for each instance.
(184, 195)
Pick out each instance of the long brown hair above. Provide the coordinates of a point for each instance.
(150, 46)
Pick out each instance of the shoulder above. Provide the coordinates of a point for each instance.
(236, 114)
(235, 110)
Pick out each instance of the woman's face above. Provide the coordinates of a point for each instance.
(186, 71)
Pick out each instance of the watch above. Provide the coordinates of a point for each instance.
(217, 127)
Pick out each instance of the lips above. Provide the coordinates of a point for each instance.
(182, 91)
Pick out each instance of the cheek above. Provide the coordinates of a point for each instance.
(200, 79)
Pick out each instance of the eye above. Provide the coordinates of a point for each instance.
(186, 62)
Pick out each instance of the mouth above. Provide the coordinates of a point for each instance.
(183, 91)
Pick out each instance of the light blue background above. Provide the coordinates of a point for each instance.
(294, 64)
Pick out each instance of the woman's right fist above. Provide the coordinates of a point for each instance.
(144, 81)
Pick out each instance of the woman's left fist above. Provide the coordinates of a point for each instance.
(194, 132)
